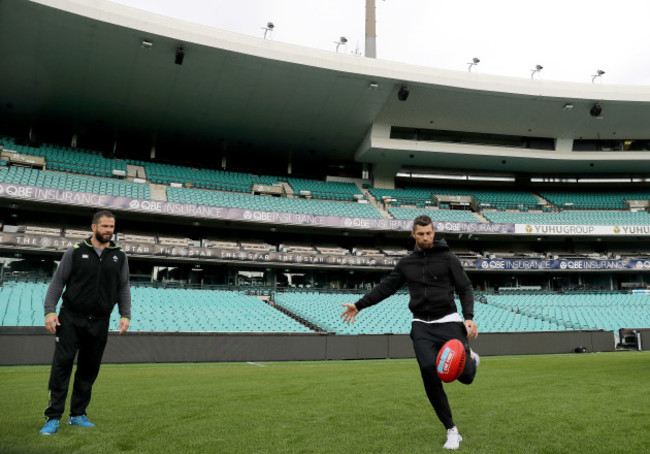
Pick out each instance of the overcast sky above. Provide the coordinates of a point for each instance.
(571, 39)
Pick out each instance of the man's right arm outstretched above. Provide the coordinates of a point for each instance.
(350, 313)
(383, 290)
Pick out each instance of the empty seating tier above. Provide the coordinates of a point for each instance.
(21, 303)
(77, 183)
(265, 203)
(322, 190)
(593, 200)
(166, 310)
(71, 160)
(188, 310)
(324, 310)
(410, 196)
(494, 199)
(203, 178)
(156, 309)
(579, 311)
(498, 199)
(435, 215)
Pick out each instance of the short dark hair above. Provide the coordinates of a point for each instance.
(102, 214)
(422, 221)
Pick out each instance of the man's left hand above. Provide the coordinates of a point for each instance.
(124, 325)
(472, 329)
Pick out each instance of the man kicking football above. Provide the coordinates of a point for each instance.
(432, 273)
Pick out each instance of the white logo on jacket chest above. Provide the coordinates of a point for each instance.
(84, 256)
(115, 259)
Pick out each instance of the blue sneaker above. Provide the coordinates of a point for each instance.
(81, 421)
(50, 427)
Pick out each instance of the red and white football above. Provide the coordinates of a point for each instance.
(451, 360)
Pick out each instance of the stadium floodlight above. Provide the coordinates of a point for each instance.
(490, 178)
(403, 93)
(475, 61)
(604, 180)
(596, 111)
(342, 40)
(180, 55)
(598, 75)
(431, 176)
(537, 69)
(268, 29)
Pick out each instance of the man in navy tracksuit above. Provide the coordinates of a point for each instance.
(95, 274)
(432, 273)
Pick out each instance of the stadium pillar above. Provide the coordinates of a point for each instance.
(289, 162)
(224, 153)
(383, 174)
(563, 144)
(371, 32)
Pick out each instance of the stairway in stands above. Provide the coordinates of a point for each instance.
(268, 300)
(374, 202)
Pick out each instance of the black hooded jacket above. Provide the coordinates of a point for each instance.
(94, 283)
(432, 275)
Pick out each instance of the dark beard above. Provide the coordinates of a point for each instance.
(99, 238)
(422, 248)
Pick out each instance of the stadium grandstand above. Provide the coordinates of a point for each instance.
(258, 219)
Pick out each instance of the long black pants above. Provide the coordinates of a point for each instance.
(87, 336)
(428, 338)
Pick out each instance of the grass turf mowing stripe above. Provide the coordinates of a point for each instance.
(534, 404)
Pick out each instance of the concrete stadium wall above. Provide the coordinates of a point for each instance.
(32, 345)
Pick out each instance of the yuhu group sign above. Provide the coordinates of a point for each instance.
(158, 207)
(567, 230)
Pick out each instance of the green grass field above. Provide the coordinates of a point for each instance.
(589, 403)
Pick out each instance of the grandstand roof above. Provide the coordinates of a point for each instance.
(82, 66)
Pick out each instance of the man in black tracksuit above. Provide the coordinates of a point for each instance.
(95, 274)
(432, 273)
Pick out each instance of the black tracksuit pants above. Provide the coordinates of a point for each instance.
(86, 335)
(428, 338)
